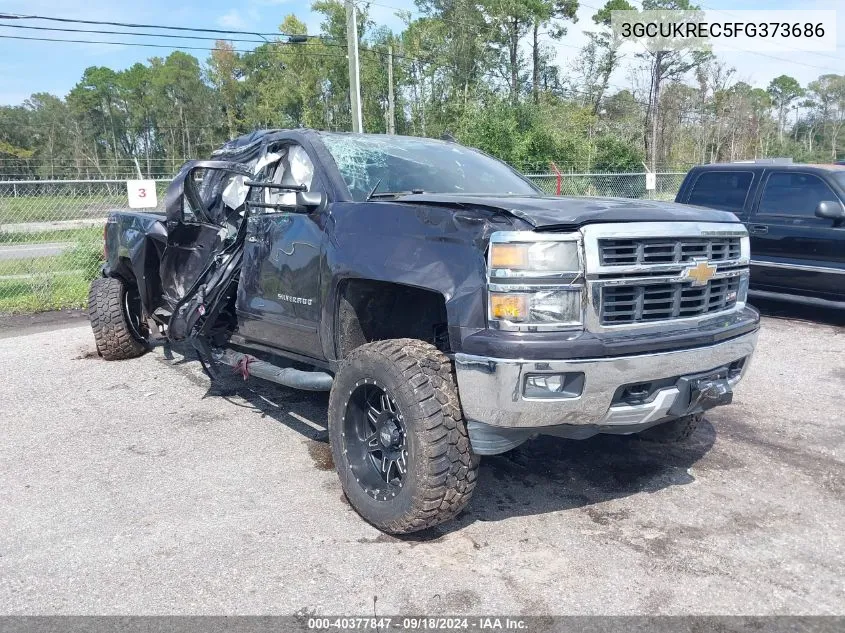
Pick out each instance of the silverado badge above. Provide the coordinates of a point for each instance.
(699, 273)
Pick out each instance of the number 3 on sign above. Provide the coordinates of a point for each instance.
(142, 194)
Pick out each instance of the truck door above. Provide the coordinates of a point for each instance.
(200, 219)
(792, 250)
(278, 296)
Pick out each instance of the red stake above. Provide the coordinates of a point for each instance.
(557, 178)
(242, 367)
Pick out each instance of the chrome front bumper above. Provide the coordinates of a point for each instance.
(491, 389)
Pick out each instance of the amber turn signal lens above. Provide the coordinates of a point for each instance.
(508, 306)
(509, 256)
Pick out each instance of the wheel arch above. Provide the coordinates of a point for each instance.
(368, 310)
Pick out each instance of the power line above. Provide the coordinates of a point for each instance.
(17, 16)
(264, 35)
(488, 74)
(204, 48)
(167, 35)
(52, 39)
(167, 46)
(132, 33)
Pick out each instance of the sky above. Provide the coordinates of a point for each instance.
(27, 67)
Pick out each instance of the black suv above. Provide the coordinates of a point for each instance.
(795, 216)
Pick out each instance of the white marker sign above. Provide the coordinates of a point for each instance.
(142, 194)
(650, 181)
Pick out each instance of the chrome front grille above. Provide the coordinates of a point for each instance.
(663, 301)
(663, 275)
(643, 251)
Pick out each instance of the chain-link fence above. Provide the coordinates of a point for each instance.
(51, 240)
(614, 185)
(51, 231)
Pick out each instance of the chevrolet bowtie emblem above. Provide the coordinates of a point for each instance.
(700, 273)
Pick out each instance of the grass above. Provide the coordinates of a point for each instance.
(57, 208)
(48, 283)
(37, 284)
(42, 293)
(79, 258)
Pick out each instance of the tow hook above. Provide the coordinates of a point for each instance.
(706, 394)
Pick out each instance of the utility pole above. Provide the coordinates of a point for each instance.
(655, 108)
(354, 73)
(391, 105)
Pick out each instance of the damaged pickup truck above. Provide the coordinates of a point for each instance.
(450, 307)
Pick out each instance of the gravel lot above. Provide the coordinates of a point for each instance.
(132, 488)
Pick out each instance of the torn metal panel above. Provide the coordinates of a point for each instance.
(420, 246)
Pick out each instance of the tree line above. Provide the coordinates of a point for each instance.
(482, 72)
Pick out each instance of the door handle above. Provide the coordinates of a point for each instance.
(760, 229)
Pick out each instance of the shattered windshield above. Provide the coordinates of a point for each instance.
(404, 164)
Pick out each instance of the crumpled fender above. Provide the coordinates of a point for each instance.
(424, 246)
(134, 241)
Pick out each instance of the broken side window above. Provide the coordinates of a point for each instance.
(293, 168)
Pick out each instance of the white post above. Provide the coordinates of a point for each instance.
(354, 73)
(391, 105)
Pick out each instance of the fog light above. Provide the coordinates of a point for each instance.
(568, 385)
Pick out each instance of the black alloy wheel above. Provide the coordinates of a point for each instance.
(374, 440)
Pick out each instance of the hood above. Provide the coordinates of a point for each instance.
(559, 211)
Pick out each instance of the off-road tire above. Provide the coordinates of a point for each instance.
(673, 432)
(112, 331)
(441, 467)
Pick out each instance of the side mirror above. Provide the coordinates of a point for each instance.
(311, 201)
(830, 210)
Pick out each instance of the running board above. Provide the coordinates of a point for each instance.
(803, 300)
(296, 378)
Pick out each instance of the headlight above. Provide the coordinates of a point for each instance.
(535, 281)
(540, 307)
(540, 257)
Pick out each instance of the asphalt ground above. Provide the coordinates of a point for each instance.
(136, 488)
